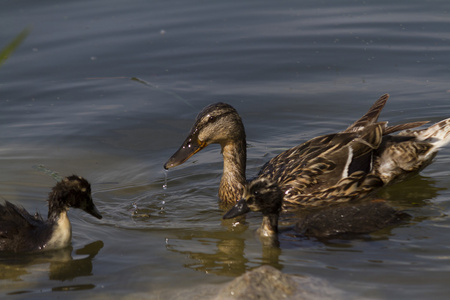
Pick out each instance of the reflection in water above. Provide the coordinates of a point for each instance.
(228, 259)
(414, 192)
(73, 268)
(212, 252)
(221, 253)
(271, 256)
(226, 253)
(61, 267)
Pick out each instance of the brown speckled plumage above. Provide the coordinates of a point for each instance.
(328, 169)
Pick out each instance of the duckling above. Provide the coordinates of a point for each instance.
(263, 195)
(23, 232)
(325, 170)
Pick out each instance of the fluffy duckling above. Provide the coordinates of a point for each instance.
(325, 170)
(22, 232)
(263, 195)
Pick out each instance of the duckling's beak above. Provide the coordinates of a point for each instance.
(239, 209)
(92, 210)
(190, 146)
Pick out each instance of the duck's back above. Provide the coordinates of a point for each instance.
(20, 231)
(311, 173)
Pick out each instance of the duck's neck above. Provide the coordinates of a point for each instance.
(233, 178)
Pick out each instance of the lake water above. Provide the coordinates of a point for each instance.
(109, 89)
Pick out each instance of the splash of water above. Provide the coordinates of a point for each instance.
(49, 172)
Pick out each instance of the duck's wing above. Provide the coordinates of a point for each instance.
(319, 164)
(402, 127)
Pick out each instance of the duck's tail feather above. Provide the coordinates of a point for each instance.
(410, 151)
(438, 134)
(371, 116)
(400, 127)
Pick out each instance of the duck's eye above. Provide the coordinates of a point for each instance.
(211, 118)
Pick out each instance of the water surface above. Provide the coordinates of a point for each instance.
(109, 89)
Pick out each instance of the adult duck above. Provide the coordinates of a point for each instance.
(23, 232)
(327, 169)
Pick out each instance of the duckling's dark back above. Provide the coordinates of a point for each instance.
(350, 220)
(20, 231)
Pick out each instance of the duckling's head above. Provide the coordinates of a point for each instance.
(73, 191)
(217, 123)
(262, 195)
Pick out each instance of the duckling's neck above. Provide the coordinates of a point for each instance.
(233, 178)
(269, 226)
(56, 205)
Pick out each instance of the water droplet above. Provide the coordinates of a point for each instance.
(165, 179)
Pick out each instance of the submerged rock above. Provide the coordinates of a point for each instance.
(269, 283)
(262, 283)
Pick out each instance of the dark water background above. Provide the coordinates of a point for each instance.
(109, 89)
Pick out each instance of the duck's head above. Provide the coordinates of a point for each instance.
(261, 195)
(217, 123)
(74, 191)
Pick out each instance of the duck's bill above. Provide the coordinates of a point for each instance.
(241, 208)
(190, 146)
(92, 210)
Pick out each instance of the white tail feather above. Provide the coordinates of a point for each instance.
(438, 134)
